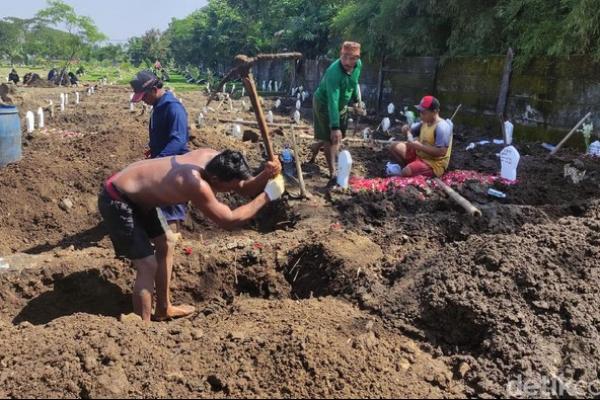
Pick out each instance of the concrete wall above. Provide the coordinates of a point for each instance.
(546, 97)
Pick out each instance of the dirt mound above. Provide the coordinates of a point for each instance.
(234, 347)
(512, 305)
(250, 348)
(340, 264)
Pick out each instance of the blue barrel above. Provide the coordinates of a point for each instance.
(10, 135)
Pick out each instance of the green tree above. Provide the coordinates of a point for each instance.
(13, 37)
(81, 31)
(112, 52)
(151, 46)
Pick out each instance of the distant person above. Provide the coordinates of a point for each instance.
(429, 155)
(129, 205)
(337, 89)
(64, 79)
(52, 74)
(13, 76)
(73, 79)
(30, 78)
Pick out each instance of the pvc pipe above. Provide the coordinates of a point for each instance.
(40, 113)
(30, 121)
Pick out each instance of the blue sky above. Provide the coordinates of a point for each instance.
(118, 19)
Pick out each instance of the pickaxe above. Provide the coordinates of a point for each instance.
(242, 67)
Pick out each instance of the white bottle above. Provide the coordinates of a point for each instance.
(76, 97)
(270, 117)
(385, 124)
(344, 168)
(236, 131)
(391, 108)
(297, 117)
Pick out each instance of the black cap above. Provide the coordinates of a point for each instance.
(143, 81)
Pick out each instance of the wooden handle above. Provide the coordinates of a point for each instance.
(558, 146)
(461, 201)
(299, 166)
(260, 116)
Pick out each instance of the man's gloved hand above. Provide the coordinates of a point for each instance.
(275, 188)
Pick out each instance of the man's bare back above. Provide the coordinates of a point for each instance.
(165, 181)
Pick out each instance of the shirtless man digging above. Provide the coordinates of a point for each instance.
(129, 204)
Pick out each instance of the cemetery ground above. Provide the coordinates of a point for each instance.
(348, 294)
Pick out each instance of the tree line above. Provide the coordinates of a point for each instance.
(211, 36)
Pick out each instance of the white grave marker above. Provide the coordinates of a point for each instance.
(509, 158)
(40, 113)
(30, 118)
(508, 129)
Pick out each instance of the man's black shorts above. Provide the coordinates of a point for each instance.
(130, 229)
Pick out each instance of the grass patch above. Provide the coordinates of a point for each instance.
(120, 75)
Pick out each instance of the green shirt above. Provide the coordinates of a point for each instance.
(336, 89)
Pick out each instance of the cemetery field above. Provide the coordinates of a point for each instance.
(393, 292)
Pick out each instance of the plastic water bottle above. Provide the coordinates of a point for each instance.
(344, 168)
(496, 193)
(287, 158)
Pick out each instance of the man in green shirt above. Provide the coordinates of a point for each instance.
(337, 89)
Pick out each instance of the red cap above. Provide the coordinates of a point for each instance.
(428, 103)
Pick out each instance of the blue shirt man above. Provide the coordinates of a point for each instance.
(168, 128)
